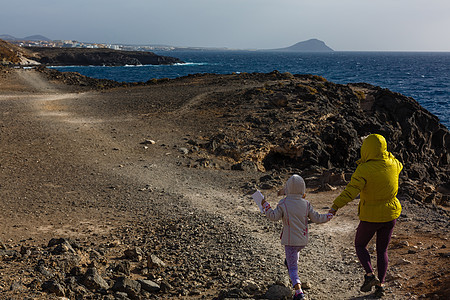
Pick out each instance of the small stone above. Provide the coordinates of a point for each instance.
(149, 286)
(44, 270)
(121, 296)
(127, 285)
(114, 243)
(246, 165)
(403, 262)
(306, 285)
(250, 286)
(392, 277)
(421, 283)
(123, 267)
(148, 142)
(154, 262)
(326, 188)
(53, 287)
(93, 281)
(404, 243)
(135, 254)
(18, 286)
(183, 150)
(165, 286)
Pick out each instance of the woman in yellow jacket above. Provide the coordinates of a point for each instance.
(376, 180)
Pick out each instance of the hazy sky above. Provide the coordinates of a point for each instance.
(411, 25)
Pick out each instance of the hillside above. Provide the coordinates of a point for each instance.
(12, 54)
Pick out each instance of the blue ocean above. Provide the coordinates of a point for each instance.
(424, 76)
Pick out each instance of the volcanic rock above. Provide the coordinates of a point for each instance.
(97, 57)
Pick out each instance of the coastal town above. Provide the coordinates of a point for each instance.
(42, 41)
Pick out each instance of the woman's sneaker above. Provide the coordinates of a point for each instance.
(369, 282)
(379, 292)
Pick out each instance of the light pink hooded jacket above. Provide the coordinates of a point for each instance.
(295, 211)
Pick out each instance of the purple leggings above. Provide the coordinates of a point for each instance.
(364, 233)
(292, 262)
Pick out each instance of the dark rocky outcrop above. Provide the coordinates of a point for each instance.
(309, 125)
(98, 57)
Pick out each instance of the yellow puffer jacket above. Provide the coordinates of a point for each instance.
(376, 180)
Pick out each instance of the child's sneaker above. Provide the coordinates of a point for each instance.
(369, 282)
(379, 292)
(300, 296)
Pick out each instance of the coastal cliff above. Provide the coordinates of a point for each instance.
(98, 57)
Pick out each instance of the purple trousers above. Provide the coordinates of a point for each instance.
(292, 255)
(364, 233)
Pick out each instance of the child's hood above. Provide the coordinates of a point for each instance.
(295, 185)
(374, 147)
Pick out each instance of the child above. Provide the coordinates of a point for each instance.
(376, 180)
(294, 210)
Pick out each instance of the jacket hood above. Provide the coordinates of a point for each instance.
(295, 185)
(374, 147)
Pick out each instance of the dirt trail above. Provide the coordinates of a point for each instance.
(75, 151)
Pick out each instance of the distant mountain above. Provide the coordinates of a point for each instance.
(37, 37)
(7, 37)
(312, 45)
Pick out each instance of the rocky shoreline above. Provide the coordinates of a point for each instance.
(97, 57)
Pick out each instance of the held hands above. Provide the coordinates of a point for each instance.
(329, 216)
(331, 213)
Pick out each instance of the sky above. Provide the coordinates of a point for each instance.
(345, 25)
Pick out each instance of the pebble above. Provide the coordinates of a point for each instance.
(148, 142)
(403, 262)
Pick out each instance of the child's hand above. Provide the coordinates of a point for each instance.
(332, 211)
(329, 216)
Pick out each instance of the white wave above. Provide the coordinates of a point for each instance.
(190, 64)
